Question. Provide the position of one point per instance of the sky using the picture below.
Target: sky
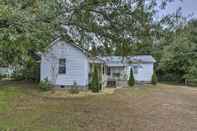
(188, 7)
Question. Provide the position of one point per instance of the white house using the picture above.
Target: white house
(6, 71)
(64, 64)
(118, 69)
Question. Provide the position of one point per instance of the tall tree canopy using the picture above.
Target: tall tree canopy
(118, 27)
(179, 58)
(115, 25)
(25, 25)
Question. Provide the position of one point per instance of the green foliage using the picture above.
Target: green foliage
(180, 57)
(1, 76)
(95, 85)
(44, 85)
(154, 78)
(191, 82)
(25, 25)
(29, 71)
(32, 25)
(7, 94)
(131, 81)
(17, 75)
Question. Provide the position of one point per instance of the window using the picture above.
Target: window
(117, 75)
(108, 71)
(62, 66)
(135, 69)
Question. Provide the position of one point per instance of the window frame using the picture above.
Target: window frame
(62, 66)
(108, 72)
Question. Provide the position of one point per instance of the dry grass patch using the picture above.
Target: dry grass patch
(67, 94)
(149, 108)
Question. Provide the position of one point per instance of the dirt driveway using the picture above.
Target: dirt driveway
(169, 108)
(160, 108)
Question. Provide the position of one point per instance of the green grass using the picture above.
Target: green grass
(7, 93)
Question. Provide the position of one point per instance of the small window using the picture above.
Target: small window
(108, 71)
(62, 66)
(135, 69)
(117, 75)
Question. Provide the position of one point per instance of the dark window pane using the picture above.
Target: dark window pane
(108, 71)
(117, 75)
(62, 66)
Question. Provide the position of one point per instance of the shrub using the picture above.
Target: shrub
(44, 85)
(74, 89)
(28, 71)
(191, 82)
(17, 75)
(95, 85)
(154, 78)
(131, 81)
(1, 76)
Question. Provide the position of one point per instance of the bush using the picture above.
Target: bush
(44, 85)
(154, 78)
(17, 75)
(74, 89)
(191, 82)
(28, 71)
(95, 85)
(131, 81)
(1, 76)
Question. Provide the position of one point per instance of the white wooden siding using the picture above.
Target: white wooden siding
(6, 71)
(145, 72)
(77, 66)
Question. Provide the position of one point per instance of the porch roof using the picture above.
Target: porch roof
(119, 61)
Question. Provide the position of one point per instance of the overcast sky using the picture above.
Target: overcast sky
(188, 7)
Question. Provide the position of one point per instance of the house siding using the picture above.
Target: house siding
(145, 72)
(77, 65)
(6, 71)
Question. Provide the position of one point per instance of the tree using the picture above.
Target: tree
(26, 25)
(117, 24)
(107, 27)
(131, 81)
(179, 58)
(95, 82)
(154, 78)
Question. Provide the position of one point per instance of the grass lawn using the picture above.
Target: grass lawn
(154, 108)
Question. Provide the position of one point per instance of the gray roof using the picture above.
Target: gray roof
(120, 61)
(143, 59)
(114, 61)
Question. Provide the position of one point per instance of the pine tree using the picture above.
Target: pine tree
(154, 78)
(94, 86)
(131, 81)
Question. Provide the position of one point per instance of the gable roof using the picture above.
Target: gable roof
(84, 51)
(70, 43)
